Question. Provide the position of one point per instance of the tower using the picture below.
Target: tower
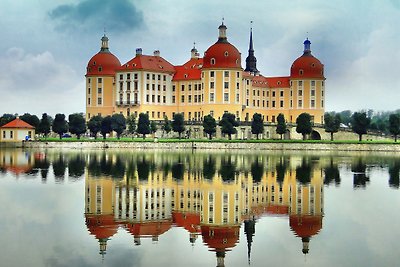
(251, 61)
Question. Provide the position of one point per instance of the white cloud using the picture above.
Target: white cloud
(38, 83)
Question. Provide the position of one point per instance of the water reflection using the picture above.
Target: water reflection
(210, 195)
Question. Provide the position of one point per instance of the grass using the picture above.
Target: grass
(220, 140)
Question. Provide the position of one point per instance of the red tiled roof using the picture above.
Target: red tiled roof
(103, 63)
(18, 123)
(220, 238)
(271, 82)
(150, 63)
(191, 70)
(189, 221)
(305, 225)
(311, 68)
(224, 54)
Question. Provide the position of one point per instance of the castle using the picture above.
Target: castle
(214, 84)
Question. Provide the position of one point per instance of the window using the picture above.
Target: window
(153, 87)
(190, 87)
(121, 76)
(89, 80)
(212, 61)
(300, 83)
(237, 85)
(173, 99)
(128, 76)
(135, 76)
(281, 104)
(88, 91)
(312, 103)
(211, 97)
(212, 74)
(237, 74)
(153, 98)
(88, 101)
(147, 98)
(164, 88)
(183, 99)
(312, 92)
(147, 86)
(158, 99)
(183, 87)
(226, 97)
(164, 78)
(273, 93)
(99, 80)
(190, 99)
(153, 76)
(4, 134)
(300, 104)
(211, 85)
(11, 134)
(226, 85)
(300, 72)
(159, 77)
(226, 73)
(312, 83)
(99, 101)
(300, 92)
(164, 99)
(148, 76)
(173, 88)
(237, 98)
(273, 103)
(281, 93)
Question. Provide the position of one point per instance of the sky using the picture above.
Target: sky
(45, 45)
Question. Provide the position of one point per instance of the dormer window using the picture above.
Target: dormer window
(100, 69)
(300, 72)
(313, 65)
(226, 54)
(185, 75)
(94, 63)
(212, 61)
(279, 82)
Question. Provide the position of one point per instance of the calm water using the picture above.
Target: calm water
(163, 208)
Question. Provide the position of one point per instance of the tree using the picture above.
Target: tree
(30, 119)
(77, 124)
(143, 124)
(257, 124)
(345, 115)
(209, 126)
(281, 125)
(60, 125)
(6, 118)
(153, 127)
(44, 125)
(118, 124)
(304, 126)
(332, 123)
(178, 125)
(166, 127)
(360, 123)
(228, 124)
(106, 126)
(131, 123)
(394, 125)
(94, 125)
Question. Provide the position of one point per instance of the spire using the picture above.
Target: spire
(222, 33)
(104, 44)
(251, 61)
(194, 53)
(307, 47)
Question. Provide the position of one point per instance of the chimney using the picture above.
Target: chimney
(138, 51)
(156, 53)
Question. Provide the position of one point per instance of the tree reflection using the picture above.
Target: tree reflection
(117, 170)
(178, 169)
(394, 170)
(228, 169)
(143, 169)
(59, 167)
(281, 168)
(257, 170)
(76, 167)
(43, 164)
(332, 174)
(209, 168)
(303, 172)
(360, 178)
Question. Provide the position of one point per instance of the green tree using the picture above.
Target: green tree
(394, 125)
(77, 124)
(153, 127)
(209, 126)
(257, 124)
(44, 125)
(143, 124)
(118, 124)
(178, 124)
(257, 170)
(94, 125)
(281, 125)
(228, 124)
(304, 126)
(166, 127)
(345, 115)
(332, 123)
(131, 123)
(30, 119)
(60, 125)
(360, 123)
(106, 126)
(6, 118)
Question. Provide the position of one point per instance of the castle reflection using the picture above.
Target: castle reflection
(209, 195)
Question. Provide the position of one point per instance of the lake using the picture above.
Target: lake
(198, 208)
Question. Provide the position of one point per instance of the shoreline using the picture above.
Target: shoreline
(208, 146)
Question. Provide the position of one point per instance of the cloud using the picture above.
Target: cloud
(117, 16)
(38, 83)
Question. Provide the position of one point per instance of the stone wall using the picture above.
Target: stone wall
(214, 145)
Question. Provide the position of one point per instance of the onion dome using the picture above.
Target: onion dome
(222, 54)
(305, 226)
(104, 62)
(307, 66)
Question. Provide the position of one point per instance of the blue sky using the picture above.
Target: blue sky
(46, 45)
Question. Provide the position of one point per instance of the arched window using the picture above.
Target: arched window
(300, 72)
(213, 61)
